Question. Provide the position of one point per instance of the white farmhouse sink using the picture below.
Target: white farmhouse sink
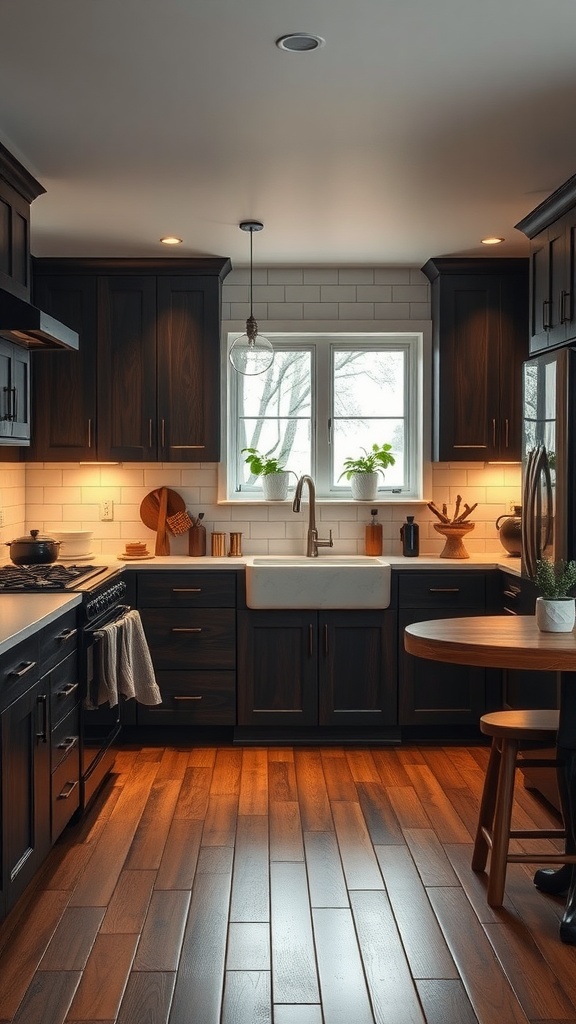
(329, 581)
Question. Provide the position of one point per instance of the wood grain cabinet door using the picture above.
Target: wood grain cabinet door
(357, 679)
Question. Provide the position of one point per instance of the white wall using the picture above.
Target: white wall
(66, 495)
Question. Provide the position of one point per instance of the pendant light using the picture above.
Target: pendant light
(252, 353)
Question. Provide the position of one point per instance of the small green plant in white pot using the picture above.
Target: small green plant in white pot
(555, 607)
(274, 476)
(364, 470)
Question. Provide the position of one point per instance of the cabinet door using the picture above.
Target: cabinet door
(278, 668)
(127, 427)
(14, 394)
(357, 679)
(188, 369)
(64, 425)
(540, 299)
(25, 789)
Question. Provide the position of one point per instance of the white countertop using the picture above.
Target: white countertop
(497, 560)
(22, 615)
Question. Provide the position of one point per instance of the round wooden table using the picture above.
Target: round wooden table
(501, 641)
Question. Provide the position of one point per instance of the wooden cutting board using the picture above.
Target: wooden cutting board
(150, 507)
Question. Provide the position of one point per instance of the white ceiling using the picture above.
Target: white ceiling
(420, 127)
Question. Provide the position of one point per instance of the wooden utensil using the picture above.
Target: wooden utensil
(150, 507)
(162, 539)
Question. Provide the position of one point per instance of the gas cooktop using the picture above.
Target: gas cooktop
(43, 578)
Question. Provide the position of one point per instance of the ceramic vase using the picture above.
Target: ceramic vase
(275, 486)
(555, 615)
(454, 548)
(364, 486)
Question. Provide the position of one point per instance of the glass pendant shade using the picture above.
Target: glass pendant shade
(251, 353)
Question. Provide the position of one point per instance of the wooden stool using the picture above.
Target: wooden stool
(510, 731)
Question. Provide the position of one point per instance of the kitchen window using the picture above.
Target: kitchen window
(324, 398)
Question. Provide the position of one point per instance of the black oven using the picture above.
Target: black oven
(103, 592)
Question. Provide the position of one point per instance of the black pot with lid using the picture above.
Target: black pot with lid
(510, 531)
(33, 549)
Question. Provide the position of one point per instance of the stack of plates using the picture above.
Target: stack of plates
(75, 545)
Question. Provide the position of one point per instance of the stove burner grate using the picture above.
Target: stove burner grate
(41, 577)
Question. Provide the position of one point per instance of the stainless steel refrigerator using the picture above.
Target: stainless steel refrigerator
(549, 458)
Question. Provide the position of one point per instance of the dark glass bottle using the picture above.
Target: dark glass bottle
(410, 534)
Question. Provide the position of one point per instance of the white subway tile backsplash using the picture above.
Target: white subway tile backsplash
(285, 275)
(302, 293)
(356, 275)
(285, 311)
(338, 293)
(392, 310)
(320, 275)
(269, 293)
(320, 310)
(393, 275)
(374, 293)
(356, 310)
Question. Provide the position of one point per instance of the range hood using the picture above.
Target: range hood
(28, 326)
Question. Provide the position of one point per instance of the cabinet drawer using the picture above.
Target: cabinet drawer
(64, 688)
(187, 590)
(205, 698)
(65, 737)
(57, 640)
(442, 590)
(19, 670)
(191, 638)
(65, 787)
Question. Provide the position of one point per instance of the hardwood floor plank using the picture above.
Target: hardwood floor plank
(202, 757)
(150, 835)
(200, 978)
(430, 857)
(220, 821)
(379, 816)
(445, 767)
(25, 947)
(533, 981)
(180, 855)
(292, 1014)
(474, 883)
(247, 998)
(227, 772)
(294, 977)
(173, 764)
(314, 804)
(325, 875)
(128, 904)
(424, 944)
(194, 793)
(282, 781)
(70, 945)
(248, 947)
(391, 987)
(448, 825)
(254, 784)
(407, 807)
(104, 979)
(280, 754)
(48, 998)
(489, 991)
(342, 983)
(362, 765)
(147, 998)
(133, 798)
(100, 876)
(445, 1002)
(285, 831)
(250, 899)
(389, 767)
(338, 778)
(163, 932)
(359, 861)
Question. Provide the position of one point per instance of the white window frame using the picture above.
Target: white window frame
(411, 341)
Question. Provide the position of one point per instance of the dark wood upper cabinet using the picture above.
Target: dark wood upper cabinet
(18, 189)
(480, 340)
(145, 385)
(551, 228)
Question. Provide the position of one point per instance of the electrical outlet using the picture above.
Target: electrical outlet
(106, 511)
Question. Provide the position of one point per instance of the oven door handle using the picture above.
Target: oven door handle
(119, 611)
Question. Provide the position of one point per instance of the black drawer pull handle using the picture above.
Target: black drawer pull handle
(187, 698)
(186, 590)
(188, 629)
(68, 789)
(68, 744)
(66, 635)
(26, 667)
(67, 690)
(444, 590)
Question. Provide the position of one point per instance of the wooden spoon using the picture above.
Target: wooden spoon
(162, 539)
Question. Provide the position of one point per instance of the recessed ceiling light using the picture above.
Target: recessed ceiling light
(299, 42)
(492, 240)
(171, 240)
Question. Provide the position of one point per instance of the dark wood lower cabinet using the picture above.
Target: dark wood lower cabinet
(309, 668)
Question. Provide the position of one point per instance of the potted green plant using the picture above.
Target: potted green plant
(274, 475)
(363, 471)
(555, 607)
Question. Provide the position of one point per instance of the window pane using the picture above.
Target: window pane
(286, 440)
(284, 390)
(351, 436)
(365, 383)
